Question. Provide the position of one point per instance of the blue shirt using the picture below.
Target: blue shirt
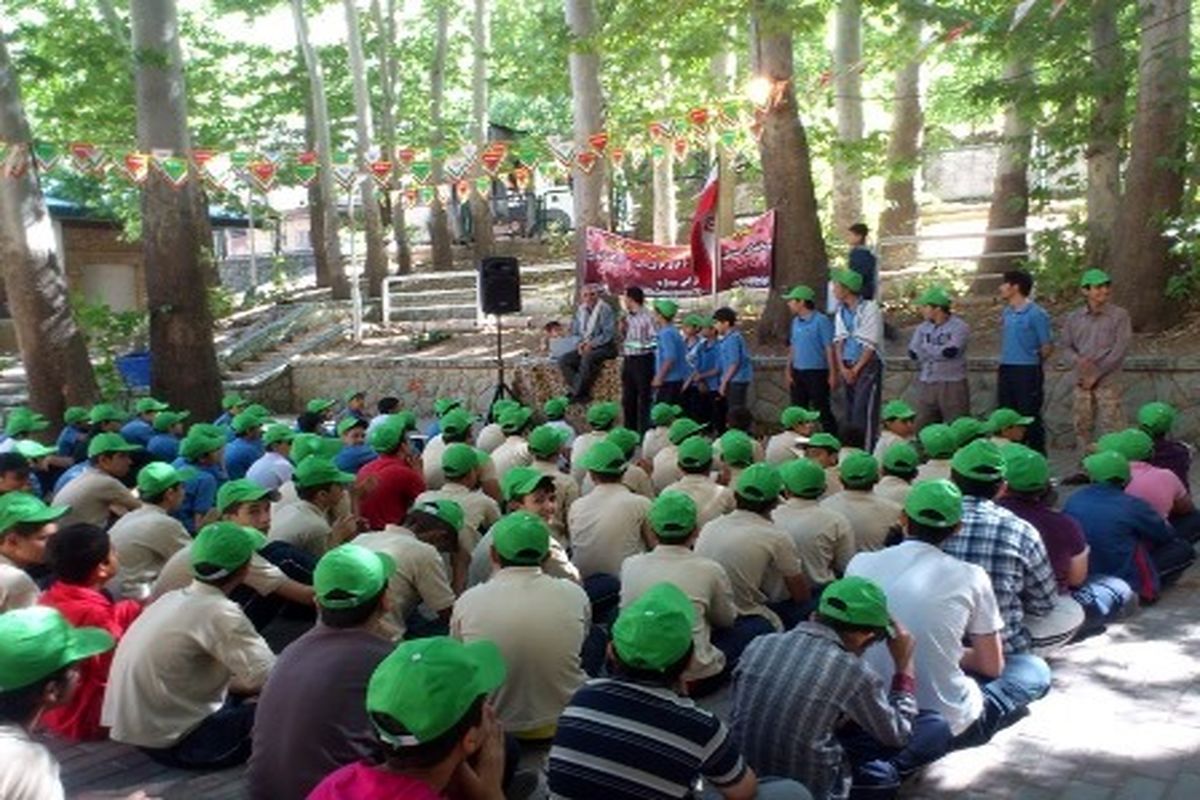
(240, 454)
(68, 476)
(68, 438)
(163, 447)
(137, 431)
(731, 351)
(671, 348)
(1025, 332)
(224, 421)
(352, 459)
(1118, 528)
(863, 261)
(852, 346)
(199, 492)
(706, 361)
(810, 340)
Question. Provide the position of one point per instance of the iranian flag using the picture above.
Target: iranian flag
(704, 232)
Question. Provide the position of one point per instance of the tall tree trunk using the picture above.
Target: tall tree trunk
(847, 82)
(666, 206)
(481, 204)
(57, 370)
(799, 246)
(900, 212)
(176, 237)
(1106, 126)
(388, 77)
(324, 147)
(724, 73)
(588, 111)
(376, 256)
(439, 228)
(1010, 186)
(318, 203)
(1154, 179)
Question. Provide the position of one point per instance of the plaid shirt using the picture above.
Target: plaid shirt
(791, 693)
(640, 335)
(1012, 554)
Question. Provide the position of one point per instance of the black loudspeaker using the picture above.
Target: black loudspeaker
(500, 285)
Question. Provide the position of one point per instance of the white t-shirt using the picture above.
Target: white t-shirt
(270, 471)
(27, 770)
(940, 599)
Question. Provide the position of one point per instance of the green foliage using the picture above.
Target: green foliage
(1184, 286)
(1057, 258)
(110, 334)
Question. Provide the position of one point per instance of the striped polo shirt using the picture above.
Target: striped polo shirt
(641, 338)
(625, 741)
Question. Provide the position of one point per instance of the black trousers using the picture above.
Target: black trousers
(581, 371)
(1022, 388)
(637, 373)
(698, 405)
(669, 392)
(810, 389)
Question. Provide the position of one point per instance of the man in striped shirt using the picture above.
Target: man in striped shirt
(637, 368)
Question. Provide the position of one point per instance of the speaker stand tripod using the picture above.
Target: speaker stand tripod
(502, 389)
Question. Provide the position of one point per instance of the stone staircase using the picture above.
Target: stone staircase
(448, 299)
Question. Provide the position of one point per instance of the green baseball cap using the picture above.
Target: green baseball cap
(1106, 467)
(349, 575)
(520, 481)
(428, 685)
(514, 420)
(695, 452)
(1136, 444)
(824, 441)
(901, 459)
(1003, 418)
(935, 503)
(165, 420)
(625, 439)
(522, 538)
(318, 471)
(75, 415)
(313, 444)
(556, 407)
(277, 434)
(210, 430)
(938, 440)
(795, 415)
(967, 430)
(18, 508)
(858, 468)
(655, 631)
(602, 415)
(197, 444)
(1109, 441)
(259, 410)
(443, 405)
(605, 458)
(353, 393)
(673, 516)
(448, 511)
(1025, 469)
(232, 400)
(547, 440)
(502, 405)
(1156, 418)
(242, 490)
(456, 422)
(22, 420)
(33, 450)
(682, 428)
(459, 459)
(668, 308)
(37, 642)
(318, 405)
(981, 460)
(664, 413)
(898, 409)
(803, 477)
(226, 546)
(759, 483)
(694, 320)
(103, 443)
(800, 292)
(737, 448)
(934, 296)
(1094, 277)
(856, 601)
(159, 476)
(848, 278)
(245, 422)
(407, 420)
(349, 423)
(147, 404)
(105, 412)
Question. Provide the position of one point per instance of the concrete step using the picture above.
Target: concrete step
(434, 313)
(463, 279)
(408, 297)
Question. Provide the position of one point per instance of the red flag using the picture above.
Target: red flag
(704, 232)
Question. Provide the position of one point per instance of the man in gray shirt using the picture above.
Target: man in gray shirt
(939, 346)
(593, 328)
(1096, 337)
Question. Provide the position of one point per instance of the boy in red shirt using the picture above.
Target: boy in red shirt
(83, 561)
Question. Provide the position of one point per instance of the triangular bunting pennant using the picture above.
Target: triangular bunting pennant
(483, 186)
(240, 159)
(659, 130)
(493, 157)
(381, 171)
(728, 138)
(46, 155)
(426, 195)
(174, 169)
(343, 170)
(421, 170)
(201, 159)
(306, 158)
(410, 198)
(262, 174)
(586, 161)
(598, 141)
(657, 151)
(457, 167)
(136, 166)
(306, 173)
(443, 193)
(563, 152)
(87, 157)
(699, 117)
(406, 156)
(617, 157)
(680, 146)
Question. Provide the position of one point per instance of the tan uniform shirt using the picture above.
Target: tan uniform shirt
(583, 443)
(607, 526)
(719, 462)
(303, 524)
(90, 495)
(869, 514)
(539, 623)
(175, 664)
(666, 468)
(514, 452)
(489, 437)
(824, 539)
(833, 481)
(17, 589)
(635, 478)
(892, 488)
(556, 565)
(886, 440)
(27, 769)
(756, 555)
(785, 447)
(566, 492)
(712, 499)
(263, 577)
(480, 511)
(431, 462)
(934, 469)
(288, 496)
(655, 440)
(145, 539)
(706, 585)
(420, 575)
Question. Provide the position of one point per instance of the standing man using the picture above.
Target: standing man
(594, 325)
(861, 260)
(670, 355)
(1096, 337)
(812, 372)
(857, 338)
(637, 369)
(1025, 344)
(939, 346)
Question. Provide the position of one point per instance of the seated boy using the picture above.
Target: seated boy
(825, 449)
(899, 425)
(355, 453)
(871, 515)
(938, 444)
(26, 526)
(1156, 419)
(798, 425)
(147, 537)
(900, 465)
(695, 458)
(98, 493)
(1006, 425)
(661, 417)
(823, 537)
(601, 417)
